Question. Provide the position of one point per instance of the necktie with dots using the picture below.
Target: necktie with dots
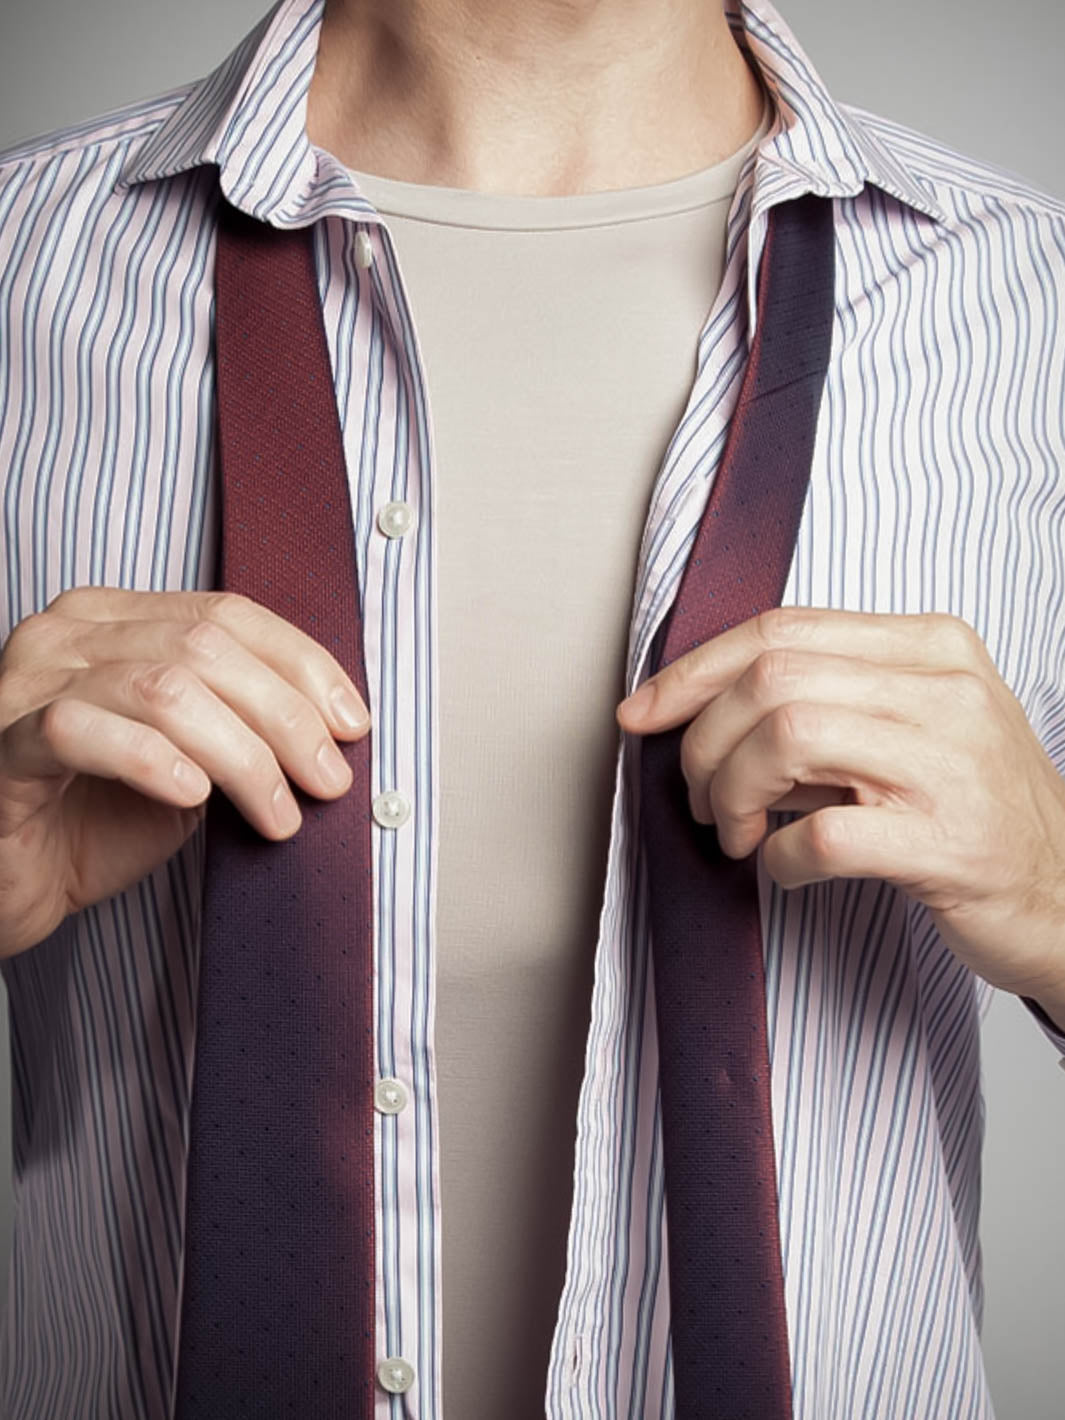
(277, 1307)
(727, 1318)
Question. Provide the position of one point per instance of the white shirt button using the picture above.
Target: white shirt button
(389, 1095)
(395, 519)
(395, 1374)
(391, 809)
(363, 250)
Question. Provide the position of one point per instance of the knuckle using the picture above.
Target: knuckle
(954, 637)
(791, 726)
(769, 672)
(682, 671)
(825, 838)
(780, 624)
(300, 720)
(160, 684)
(140, 751)
(205, 640)
(688, 765)
(719, 806)
(969, 692)
(27, 633)
(60, 721)
(69, 602)
(258, 763)
(23, 690)
(226, 608)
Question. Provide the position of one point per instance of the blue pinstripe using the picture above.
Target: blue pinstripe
(937, 485)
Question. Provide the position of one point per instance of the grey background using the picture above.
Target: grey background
(983, 77)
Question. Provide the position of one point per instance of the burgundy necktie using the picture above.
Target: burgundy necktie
(727, 1320)
(278, 1294)
(277, 1313)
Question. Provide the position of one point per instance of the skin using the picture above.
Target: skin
(896, 737)
(534, 97)
(107, 695)
(910, 759)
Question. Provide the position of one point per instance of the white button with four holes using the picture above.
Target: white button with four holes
(395, 519)
(389, 1095)
(391, 809)
(395, 1374)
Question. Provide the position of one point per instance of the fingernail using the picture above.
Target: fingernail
(287, 814)
(640, 702)
(332, 765)
(191, 779)
(350, 711)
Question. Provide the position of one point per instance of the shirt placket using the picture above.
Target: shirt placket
(388, 448)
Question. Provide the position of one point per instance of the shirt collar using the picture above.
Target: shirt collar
(815, 146)
(249, 118)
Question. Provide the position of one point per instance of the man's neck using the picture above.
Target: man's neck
(537, 97)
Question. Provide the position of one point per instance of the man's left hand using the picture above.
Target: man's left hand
(917, 762)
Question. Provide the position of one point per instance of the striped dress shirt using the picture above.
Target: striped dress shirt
(938, 484)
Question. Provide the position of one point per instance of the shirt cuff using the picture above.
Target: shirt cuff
(1047, 1026)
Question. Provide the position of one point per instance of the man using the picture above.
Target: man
(543, 224)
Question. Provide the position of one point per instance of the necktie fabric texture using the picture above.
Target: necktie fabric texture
(728, 1326)
(278, 1289)
(277, 1309)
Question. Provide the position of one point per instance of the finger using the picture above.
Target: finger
(293, 654)
(922, 640)
(806, 743)
(74, 736)
(238, 758)
(784, 677)
(266, 701)
(856, 841)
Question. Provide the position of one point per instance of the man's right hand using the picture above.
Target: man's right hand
(119, 709)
